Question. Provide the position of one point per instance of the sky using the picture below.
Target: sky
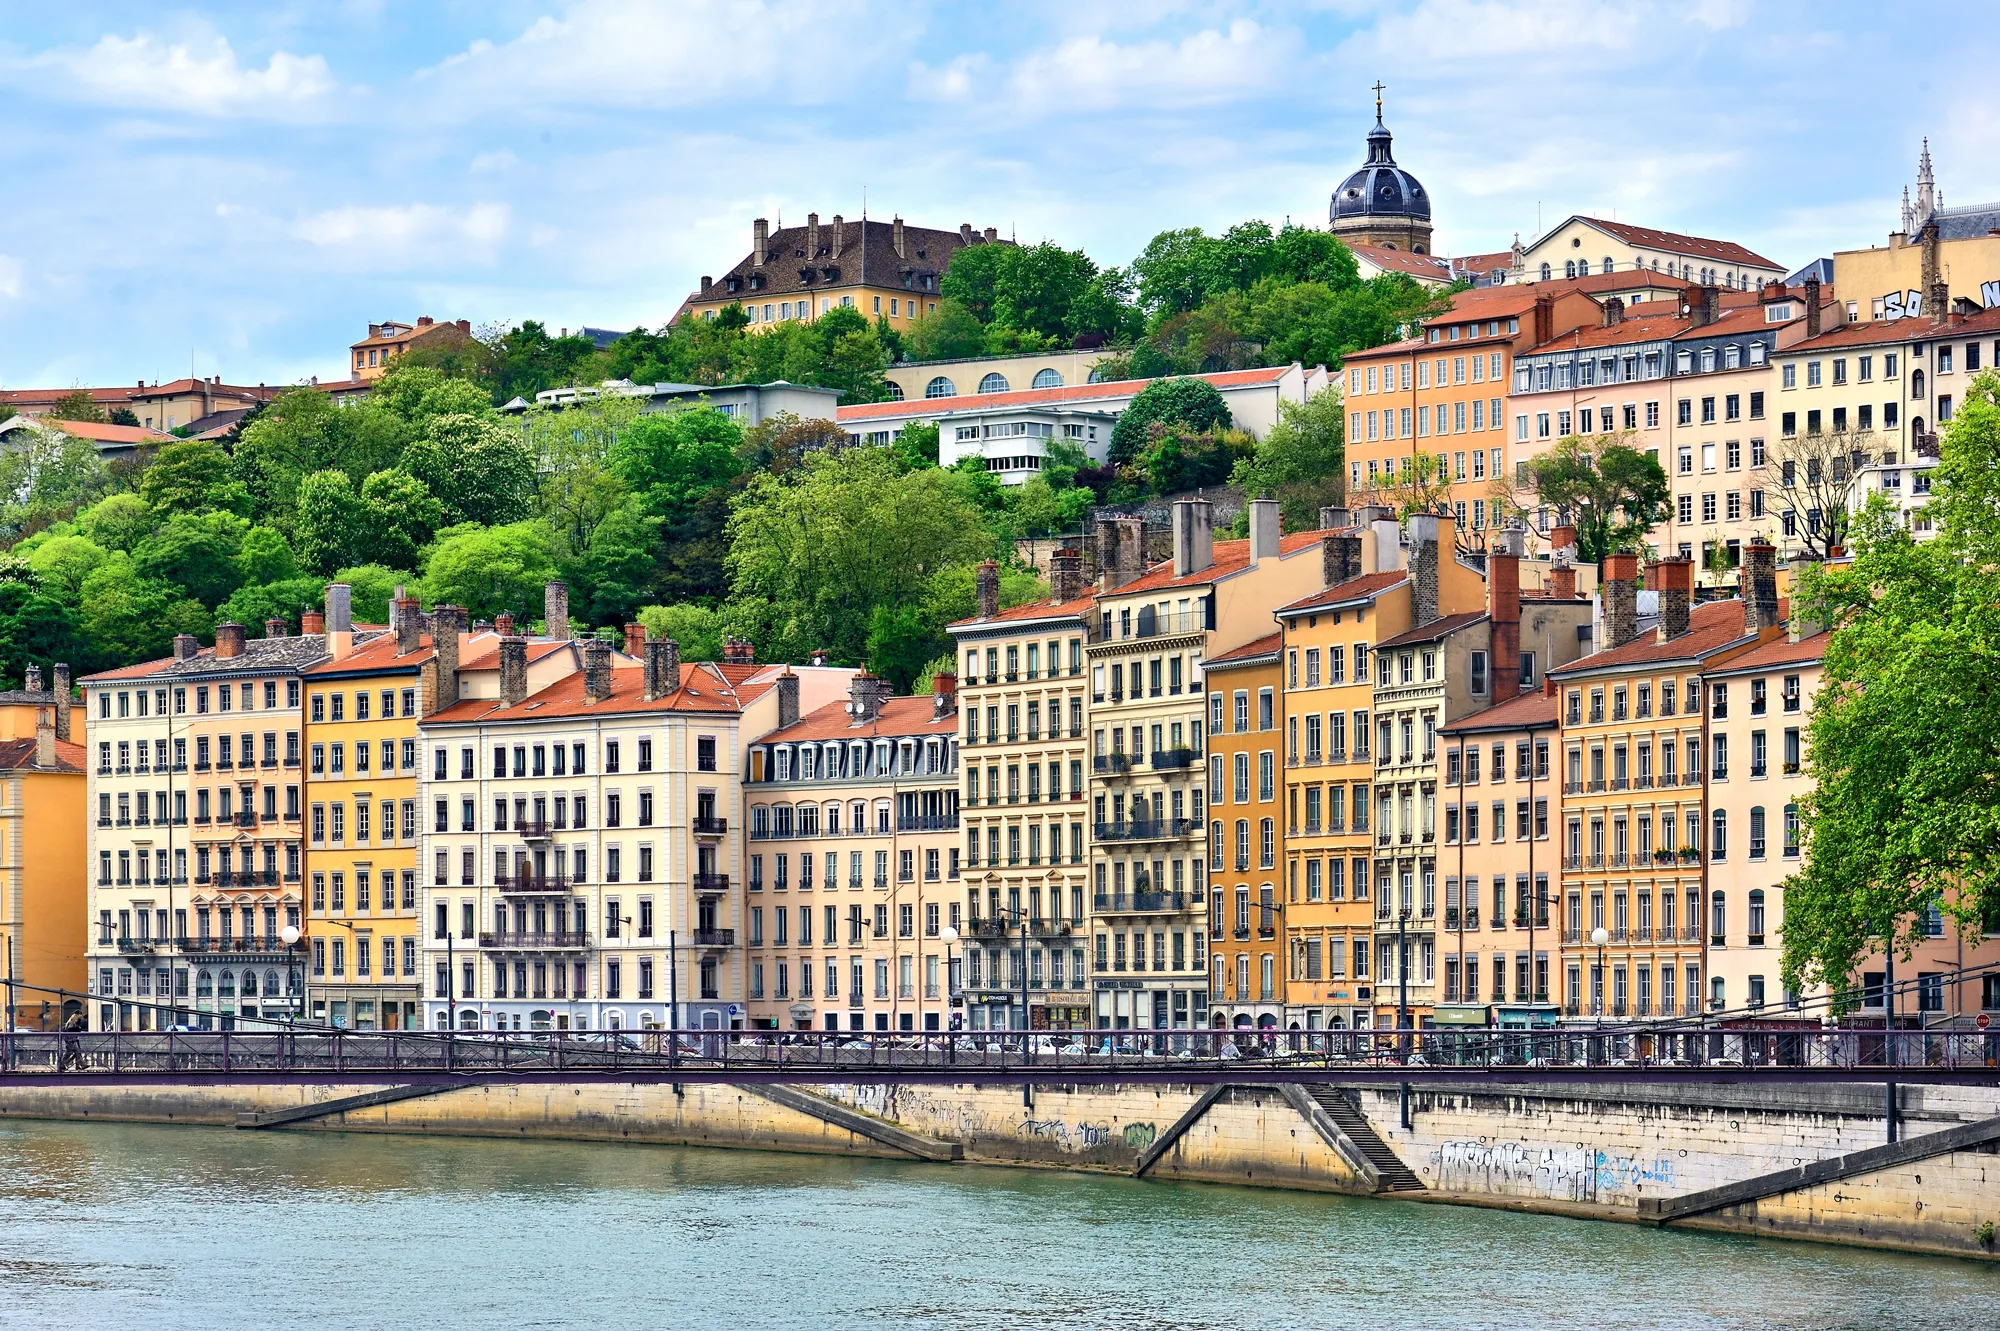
(240, 190)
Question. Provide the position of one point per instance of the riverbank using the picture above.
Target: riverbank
(1609, 1151)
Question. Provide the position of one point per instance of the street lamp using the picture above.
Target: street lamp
(291, 935)
(949, 935)
(1402, 971)
(1599, 936)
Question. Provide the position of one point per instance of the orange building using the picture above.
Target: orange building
(1247, 984)
(44, 899)
(369, 358)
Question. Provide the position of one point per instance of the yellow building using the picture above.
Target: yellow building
(883, 269)
(42, 909)
(1246, 987)
(369, 358)
(1935, 257)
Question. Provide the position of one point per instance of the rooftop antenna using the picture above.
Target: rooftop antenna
(864, 203)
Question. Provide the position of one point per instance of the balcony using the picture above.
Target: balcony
(533, 829)
(713, 938)
(1173, 758)
(712, 884)
(139, 945)
(707, 824)
(1124, 903)
(929, 822)
(247, 818)
(531, 882)
(1049, 928)
(1150, 829)
(1111, 764)
(535, 942)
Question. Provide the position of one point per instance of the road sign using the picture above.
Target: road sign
(1982, 1021)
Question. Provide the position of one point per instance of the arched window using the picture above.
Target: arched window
(1047, 379)
(271, 983)
(1569, 268)
(1916, 383)
(1718, 919)
(940, 387)
(228, 984)
(1755, 927)
(1607, 263)
(1718, 846)
(895, 391)
(995, 382)
(468, 1020)
(1545, 272)
(1094, 377)
(204, 984)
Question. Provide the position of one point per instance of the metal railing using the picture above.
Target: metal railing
(535, 942)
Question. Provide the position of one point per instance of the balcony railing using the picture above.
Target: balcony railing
(1173, 758)
(710, 825)
(531, 882)
(711, 882)
(1147, 829)
(533, 829)
(928, 822)
(1111, 763)
(535, 942)
(1128, 902)
(714, 938)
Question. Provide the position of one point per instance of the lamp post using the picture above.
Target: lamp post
(949, 935)
(1600, 937)
(1402, 971)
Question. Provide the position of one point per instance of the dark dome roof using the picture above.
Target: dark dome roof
(1380, 188)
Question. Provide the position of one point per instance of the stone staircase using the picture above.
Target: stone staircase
(1395, 1175)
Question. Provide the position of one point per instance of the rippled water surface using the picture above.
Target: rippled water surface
(155, 1227)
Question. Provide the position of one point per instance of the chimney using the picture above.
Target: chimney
(1194, 536)
(1674, 580)
(1503, 610)
(339, 619)
(1812, 304)
(596, 670)
(447, 622)
(1621, 599)
(812, 235)
(185, 646)
(555, 611)
(274, 628)
(45, 737)
(866, 693)
(1939, 300)
(31, 679)
(424, 321)
(817, 657)
(760, 241)
(1380, 522)
(1614, 311)
(1545, 319)
(837, 228)
(992, 234)
(896, 236)
(1121, 550)
(464, 325)
(986, 584)
(503, 623)
(1066, 575)
(1332, 518)
(513, 671)
(1265, 529)
(1340, 558)
(738, 651)
(1562, 563)
(229, 639)
(62, 696)
(663, 667)
(788, 699)
(635, 641)
(944, 694)
(1425, 532)
(965, 233)
(1760, 587)
(409, 625)
(706, 283)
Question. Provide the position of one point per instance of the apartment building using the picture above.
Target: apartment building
(1636, 830)
(43, 898)
(1244, 751)
(861, 799)
(1328, 708)
(1499, 859)
(1023, 697)
(196, 787)
(578, 836)
(1155, 630)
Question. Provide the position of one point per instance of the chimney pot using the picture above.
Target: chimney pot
(1621, 598)
(513, 671)
(760, 237)
(274, 628)
(1428, 531)
(986, 585)
(663, 667)
(1332, 518)
(1812, 305)
(503, 623)
(339, 608)
(31, 679)
(1194, 536)
(635, 641)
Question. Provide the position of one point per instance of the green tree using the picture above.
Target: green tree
(118, 522)
(616, 568)
(331, 525)
(972, 279)
(670, 459)
(193, 476)
(36, 629)
(1194, 403)
(125, 618)
(1904, 811)
(417, 394)
(1609, 491)
(79, 406)
(62, 564)
(1301, 461)
(950, 332)
(1177, 459)
(302, 432)
(266, 556)
(196, 553)
(287, 598)
(45, 477)
(490, 569)
(478, 469)
(373, 585)
(576, 488)
(916, 444)
(399, 516)
(699, 629)
(781, 442)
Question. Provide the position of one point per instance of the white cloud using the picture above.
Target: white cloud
(201, 76)
(503, 160)
(383, 236)
(10, 277)
(1211, 65)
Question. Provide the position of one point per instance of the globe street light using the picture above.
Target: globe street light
(1599, 936)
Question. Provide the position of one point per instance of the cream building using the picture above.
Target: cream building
(1579, 246)
(993, 374)
(1937, 257)
(854, 864)
(1022, 691)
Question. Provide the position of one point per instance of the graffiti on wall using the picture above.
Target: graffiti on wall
(1564, 1173)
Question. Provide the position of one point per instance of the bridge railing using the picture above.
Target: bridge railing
(1612, 1050)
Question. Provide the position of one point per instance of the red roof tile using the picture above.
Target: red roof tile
(1631, 328)
(1434, 630)
(1402, 261)
(916, 715)
(1228, 558)
(108, 434)
(1711, 626)
(1364, 588)
(1249, 651)
(1880, 331)
(19, 755)
(1722, 251)
(1808, 650)
(703, 688)
(1528, 711)
(1033, 610)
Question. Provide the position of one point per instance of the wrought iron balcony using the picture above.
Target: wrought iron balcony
(714, 938)
(712, 883)
(559, 940)
(710, 825)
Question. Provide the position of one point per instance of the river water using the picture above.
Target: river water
(161, 1227)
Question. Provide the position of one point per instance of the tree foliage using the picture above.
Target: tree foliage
(1609, 491)
(1194, 404)
(1301, 461)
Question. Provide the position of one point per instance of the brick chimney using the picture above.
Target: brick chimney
(275, 628)
(986, 585)
(1674, 580)
(503, 623)
(788, 699)
(663, 667)
(1066, 575)
(738, 651)
(1614, 311)
(409, 625)
(866, 693)
(944, 693)
(62, 700)
(186, 645)
(447, 623)
(1194, 536)
(229, 639)
(635, 641)
(555, 611)
(1812, 305)
(1760, 587)
(1545, 319)
(596, 670)
(1503, 610)
(1620, 574)
(1562, 563)
(513, 671)
(760, 241)
(1425, 531)
(31, 679)
(1120, 550)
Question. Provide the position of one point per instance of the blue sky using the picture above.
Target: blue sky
(239, 189)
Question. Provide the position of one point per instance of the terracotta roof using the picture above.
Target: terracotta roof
(1406, 347)
(1722, 251)
(1631, 328)
(1228, 558)
(703, 688)
(1529, 711)
(1073, 394)
(1711, 626)
(915, 715)
(1364, 588)
(188, 387)
(1745, 319)
(380, 654)
(138, 671)
(1249, 651)
(1434, 630)
(1809, 650)
(489, 656)
(420, 331)
(1402, 261)
(19, 754)
(28, 397)
(867, 253)
(1033, 610)
(1880, 331)
(1483, 263)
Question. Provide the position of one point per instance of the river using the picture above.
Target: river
(105, 1225)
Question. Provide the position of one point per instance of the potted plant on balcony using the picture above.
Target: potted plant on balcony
(1690, 854)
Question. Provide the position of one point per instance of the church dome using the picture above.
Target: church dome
(1380, 190)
